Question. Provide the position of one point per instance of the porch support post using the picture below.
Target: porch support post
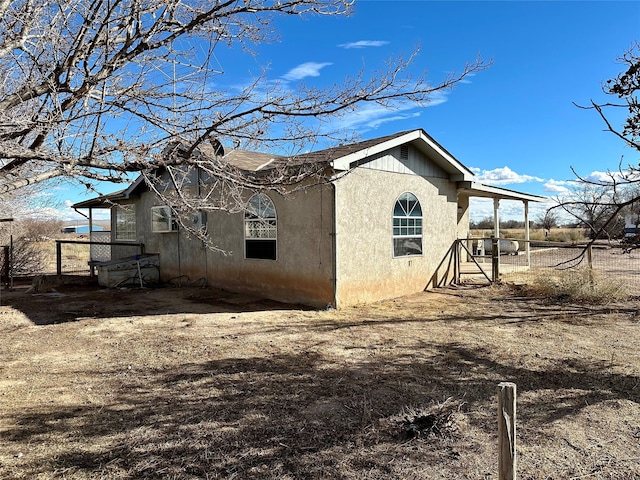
(496, 217)
(527, 238)
(496, 232)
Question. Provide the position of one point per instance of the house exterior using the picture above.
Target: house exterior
(378, 232)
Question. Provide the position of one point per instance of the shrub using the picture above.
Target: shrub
(27, 258)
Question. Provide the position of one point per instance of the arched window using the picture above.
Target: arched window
(260, 228)
(407, 226)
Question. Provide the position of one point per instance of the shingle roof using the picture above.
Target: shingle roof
(333, 153)
(243, 159)
(340, 157)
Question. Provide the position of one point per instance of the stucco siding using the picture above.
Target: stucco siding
(303, 269)
(301, 273)
(366, 268)
(463, 216)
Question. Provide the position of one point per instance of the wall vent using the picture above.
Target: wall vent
(404, 152)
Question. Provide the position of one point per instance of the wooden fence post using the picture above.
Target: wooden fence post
(495, 259)
(592, 281)
(507, 431)
(58, 257)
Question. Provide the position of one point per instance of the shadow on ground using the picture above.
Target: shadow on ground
(73, 298)
(296, 416)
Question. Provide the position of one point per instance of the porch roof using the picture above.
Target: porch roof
(107, 201)
(476, 189)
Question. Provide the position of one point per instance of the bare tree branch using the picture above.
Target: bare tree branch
(600, 204)
(97, 88)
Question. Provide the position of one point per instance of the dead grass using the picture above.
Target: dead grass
(191, 383)
(577, 285)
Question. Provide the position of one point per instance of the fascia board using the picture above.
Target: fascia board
(482, 190)
(343, 163)
(456, 170)
(132, 188)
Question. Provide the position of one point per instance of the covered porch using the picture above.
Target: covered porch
(487, 258)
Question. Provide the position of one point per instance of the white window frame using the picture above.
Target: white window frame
(407, 226)
(163, 219)
(125, 223)
(259, 224)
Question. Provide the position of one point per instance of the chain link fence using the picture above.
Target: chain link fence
(619, 263)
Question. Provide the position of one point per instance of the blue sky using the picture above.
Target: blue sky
(514, 124)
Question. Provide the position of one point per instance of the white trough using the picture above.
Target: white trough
(507, 247)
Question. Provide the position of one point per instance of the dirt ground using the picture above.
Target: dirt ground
(201, 384)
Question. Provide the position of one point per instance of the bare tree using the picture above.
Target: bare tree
(599, 204)
(547, 220)
(597, 207)
(96, 89)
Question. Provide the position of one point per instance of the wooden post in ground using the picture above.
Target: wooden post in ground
(590, 265)
(58, 257)
(495, 259)
(527, 234)
(456, 262)
(507, 431)
(6, 259)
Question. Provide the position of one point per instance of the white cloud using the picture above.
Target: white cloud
(308, 69)
(373, 115)
(558, 187)
(605, 177)
(364, 44)
(503, 176)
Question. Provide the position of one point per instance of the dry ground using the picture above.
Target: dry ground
(195, 383)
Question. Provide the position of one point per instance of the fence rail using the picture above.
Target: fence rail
(75, 256)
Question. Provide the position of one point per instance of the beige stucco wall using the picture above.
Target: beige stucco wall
(463, 216)
(366, 268)
(302, 272)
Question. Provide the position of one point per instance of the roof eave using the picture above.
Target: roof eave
(107, 201)
(456, 170)
(477, 189)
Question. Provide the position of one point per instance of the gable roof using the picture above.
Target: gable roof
(345, 157)
(340, 158)
(349, 156)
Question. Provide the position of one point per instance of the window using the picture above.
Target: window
(260, 228)
(125, 222)
(407, 226)
(163, 220)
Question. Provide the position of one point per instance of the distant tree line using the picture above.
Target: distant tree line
(546, 221)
